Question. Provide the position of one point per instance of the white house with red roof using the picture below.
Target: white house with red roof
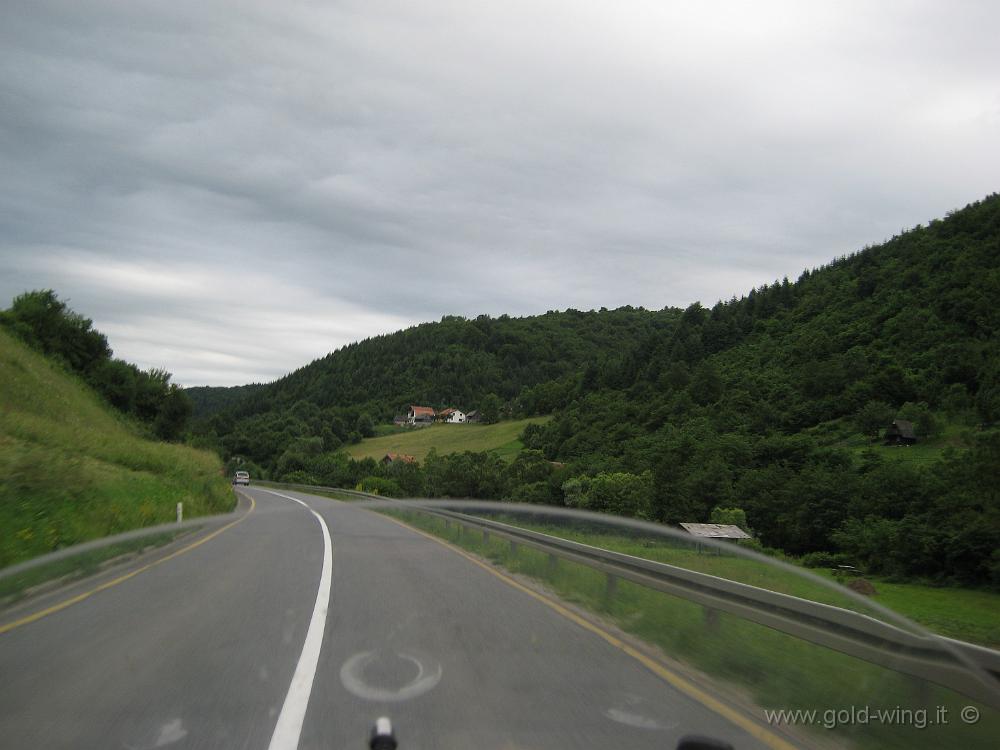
(451, 415)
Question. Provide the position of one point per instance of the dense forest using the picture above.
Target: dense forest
(531, 365)
(670, 414)
(47, 324)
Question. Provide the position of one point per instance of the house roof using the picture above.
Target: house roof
(446, 412)
(400, 457)
(904, 428)
(715, 530)
(421, 411)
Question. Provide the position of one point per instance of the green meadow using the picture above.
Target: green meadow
(500, 438)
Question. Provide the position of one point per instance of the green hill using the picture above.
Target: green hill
(532, 364)
(500, 438)
(73, 469)
(772, 402)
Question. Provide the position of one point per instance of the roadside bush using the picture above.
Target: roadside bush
(538, 493)
(825, 559)
(298, 477)
(612, 492)
(380, 486)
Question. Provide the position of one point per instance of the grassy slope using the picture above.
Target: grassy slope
(841, 433)
(71, 469)
(499, 438)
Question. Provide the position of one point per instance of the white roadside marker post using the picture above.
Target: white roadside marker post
(180, 512)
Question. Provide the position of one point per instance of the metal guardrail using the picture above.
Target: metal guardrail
(964, 667)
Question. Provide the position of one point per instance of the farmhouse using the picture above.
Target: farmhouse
(900, 432)
(452, 416)
(473, 416)
(419, 415)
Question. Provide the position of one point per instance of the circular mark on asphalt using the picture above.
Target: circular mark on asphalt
(632, 712)
(362, 669)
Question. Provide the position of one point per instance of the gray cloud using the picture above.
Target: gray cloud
(231, 190)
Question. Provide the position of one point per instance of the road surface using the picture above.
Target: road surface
(200, 650)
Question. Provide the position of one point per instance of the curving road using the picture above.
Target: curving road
(232, 643)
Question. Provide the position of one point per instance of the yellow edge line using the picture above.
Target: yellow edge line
(680, 683)
(120, 579)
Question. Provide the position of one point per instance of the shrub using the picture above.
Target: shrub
(825, 559)
(380, 486)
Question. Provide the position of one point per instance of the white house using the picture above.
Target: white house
(452, 416)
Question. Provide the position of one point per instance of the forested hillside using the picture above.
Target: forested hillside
(531, 364)
(763, 403)
(207, 400)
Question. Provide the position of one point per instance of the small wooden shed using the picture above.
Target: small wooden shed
(715, 531)
(900, 432)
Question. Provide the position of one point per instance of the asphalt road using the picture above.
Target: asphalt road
(200, 651)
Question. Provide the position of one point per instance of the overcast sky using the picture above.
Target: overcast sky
(231, 190)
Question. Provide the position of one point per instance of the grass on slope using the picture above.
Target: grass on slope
(500, 438)
(965, 614)
(72, 469)
(841, 434)
(15, 586)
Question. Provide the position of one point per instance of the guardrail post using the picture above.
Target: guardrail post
(711, 618)
(553, 564)
(610, 587)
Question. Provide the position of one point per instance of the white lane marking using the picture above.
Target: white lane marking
(293, 712)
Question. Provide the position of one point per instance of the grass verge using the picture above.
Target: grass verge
(15, 587)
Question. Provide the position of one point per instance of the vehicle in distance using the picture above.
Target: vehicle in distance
(242, 477)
